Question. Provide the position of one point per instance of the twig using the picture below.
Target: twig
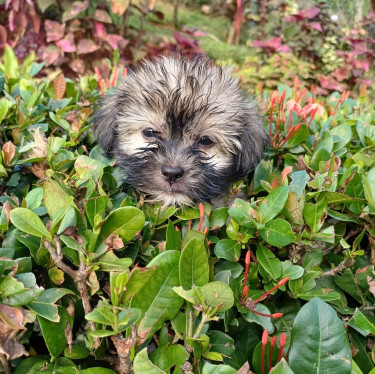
(79, 277)
(5, 364)
(123, 347)
(340, 267)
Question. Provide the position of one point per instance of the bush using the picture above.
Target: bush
(93, 278)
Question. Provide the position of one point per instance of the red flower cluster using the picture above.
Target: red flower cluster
(302, 105)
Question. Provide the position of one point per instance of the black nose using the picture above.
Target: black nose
(171, 173)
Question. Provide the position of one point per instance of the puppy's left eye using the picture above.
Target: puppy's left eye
(205, 141)
(150, 133)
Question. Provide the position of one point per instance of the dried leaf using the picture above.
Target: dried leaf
(336, 165)
(59, 86)
(9, 151)
(285, 172)
(371, 283)
(9, 344)
(114, 242)
(12, 317)
(39, 170)
(7, 207)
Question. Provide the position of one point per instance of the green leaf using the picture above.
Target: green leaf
(217, 369)
(54, 333)
(173, 238)
(137, 280)
(142, 364)
(343, 135)
(278, 233)
(339, 198)
(241, 212)
(44, 306)
(77, 352)
(265, 322)
(298, 137)
(299, 182)
(55, 198)
(216, 293)
(313, 214)
(94, 206)
(369, 187)
(194, 268)
(272, 204)
(4, 106)
(282, 368)
(10, 62)
(156, 299)
(221, 342)
(293, 209)
(165, 357)
(125, 222)
(27, 221)
(87, 168)
(318, 328)
(291, 271)
(97, 370)
(60, 121)
(270, 263)
(364, 322)
(228, 249)
(218, 217)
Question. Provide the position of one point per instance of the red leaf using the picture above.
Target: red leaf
(51, 54)
(77, 66)
(342, 73)
(362, 64)
(36, 21)
(116, 41)
(100, 30)
(86, 46)
(309, 13)
(329, 83)
(315, 25)
(67, 44)
(54, 30)
(3, 36)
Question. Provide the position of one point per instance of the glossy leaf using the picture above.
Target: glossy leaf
(318, 327)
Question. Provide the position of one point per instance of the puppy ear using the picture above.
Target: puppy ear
(104, 120)
(253, 141)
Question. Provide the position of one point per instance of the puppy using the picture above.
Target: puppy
(181, 129)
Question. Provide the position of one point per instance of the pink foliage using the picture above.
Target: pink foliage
(271, 45)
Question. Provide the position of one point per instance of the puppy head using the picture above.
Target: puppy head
(181, 129)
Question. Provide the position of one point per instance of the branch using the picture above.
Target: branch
(340, 267)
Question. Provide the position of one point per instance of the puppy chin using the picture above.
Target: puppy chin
(172, 198)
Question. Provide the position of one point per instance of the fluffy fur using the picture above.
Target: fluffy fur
(182, 101)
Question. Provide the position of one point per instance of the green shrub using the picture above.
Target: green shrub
(91, 276)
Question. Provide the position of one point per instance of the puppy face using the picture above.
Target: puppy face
(182, 130)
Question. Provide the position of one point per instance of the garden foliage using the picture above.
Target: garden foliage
(94, 279)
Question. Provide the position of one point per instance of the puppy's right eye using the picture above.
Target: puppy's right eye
(150, 133)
